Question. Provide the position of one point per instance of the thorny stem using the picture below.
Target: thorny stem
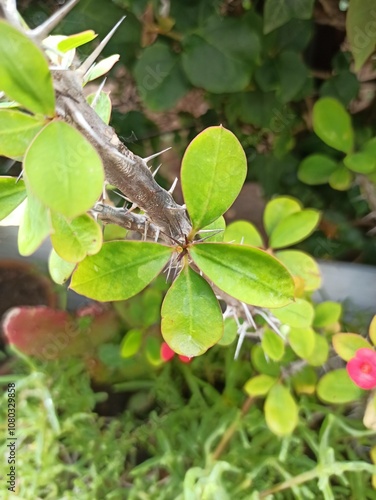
(227, 436)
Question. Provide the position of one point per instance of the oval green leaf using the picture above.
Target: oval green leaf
(302, 341)
(17, 130)
(120, 270)
(304, 381)
(259, 385)
(337, 387)
(242, 231)
(363, 162)
(320, 351)
(131, 343)
(316, 169)
(341, 179)
(360, 30)
(76, 238)
(272, 345)
(12, 194)
(346, 344)
(24, 73)
(246, 273)
(301, 265)
(327, 313)
(372, 330)
(102, 105)
(263, 365)
(213, 172)
(191, 317)
(230, 332)
(34, 227)
(74, 41)
(277, 210)
(294, 228)
(101, 68)
(59, 269)
(299, 314)
(281, 411)
(64, 170)
(332, 123)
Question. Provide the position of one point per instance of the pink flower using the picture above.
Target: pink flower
(167, 354)
(362, 368)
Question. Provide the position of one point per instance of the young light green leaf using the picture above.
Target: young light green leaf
(74, 41)
(327, 313)
(337, 387)
(246, 273)
(294, 228)
(101, 68)
(63, 60)
(102, 105)
(59, 269)
(303, 266)
(320, 351)
(263, 365)
(359, 29)
(341, 178)
(17, 130)
(131, 343)
(35, 226)
(332, 123)
(305, 380)
(191, 317)
(316, 169)
(217, 227)
(12, 194)
(299, 314)
(259, 385)
(242, 231)
(372, 330)
(273, 345)
(120, 270)
(213, 172)
(76, 238)
(64, 170)
(24, 73)
(281, 411)
(277, 210)
(362, 162)
(346, 344)
(302, 341)
(230, 332)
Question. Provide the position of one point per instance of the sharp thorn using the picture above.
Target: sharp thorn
(45, 29)
(171, 190)
(148, 158)
(242, 334)
(156, 235)
(86, 65)
(248, 315)
(20, 176)
(98, 93)
(156, 170)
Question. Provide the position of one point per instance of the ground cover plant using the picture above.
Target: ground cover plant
(267, 394)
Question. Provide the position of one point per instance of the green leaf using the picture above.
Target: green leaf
(360, 30)
(304, 381)
(34, 227)
(59, 269)
(337, 387)
(327, 313)
(299, 314)
(277, 210)
(346, 344)
(320, 351)
(63, 60)
(246, 273)
(131, 343)
(294, 228)
(213, 171)
(341, 179)
(230, 332)
(159, 77)
(76, 238)
(191, 317)
(259, 385)
(120, 270)
(12, 194)
(17, 130)
(263, 365)
(242, 231)
(101, 68)
(64, 170)
(301, 265)
(218, 225)
(316, 169)
(279, 12)
(302, 341)
(24, 73)
(281, 411)
(272, 345)
(372, 330)
(293, 73)
(362, 162)
(74, 41)
(152, 351)
(220, 55)
(102, 106)
(332, 123)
